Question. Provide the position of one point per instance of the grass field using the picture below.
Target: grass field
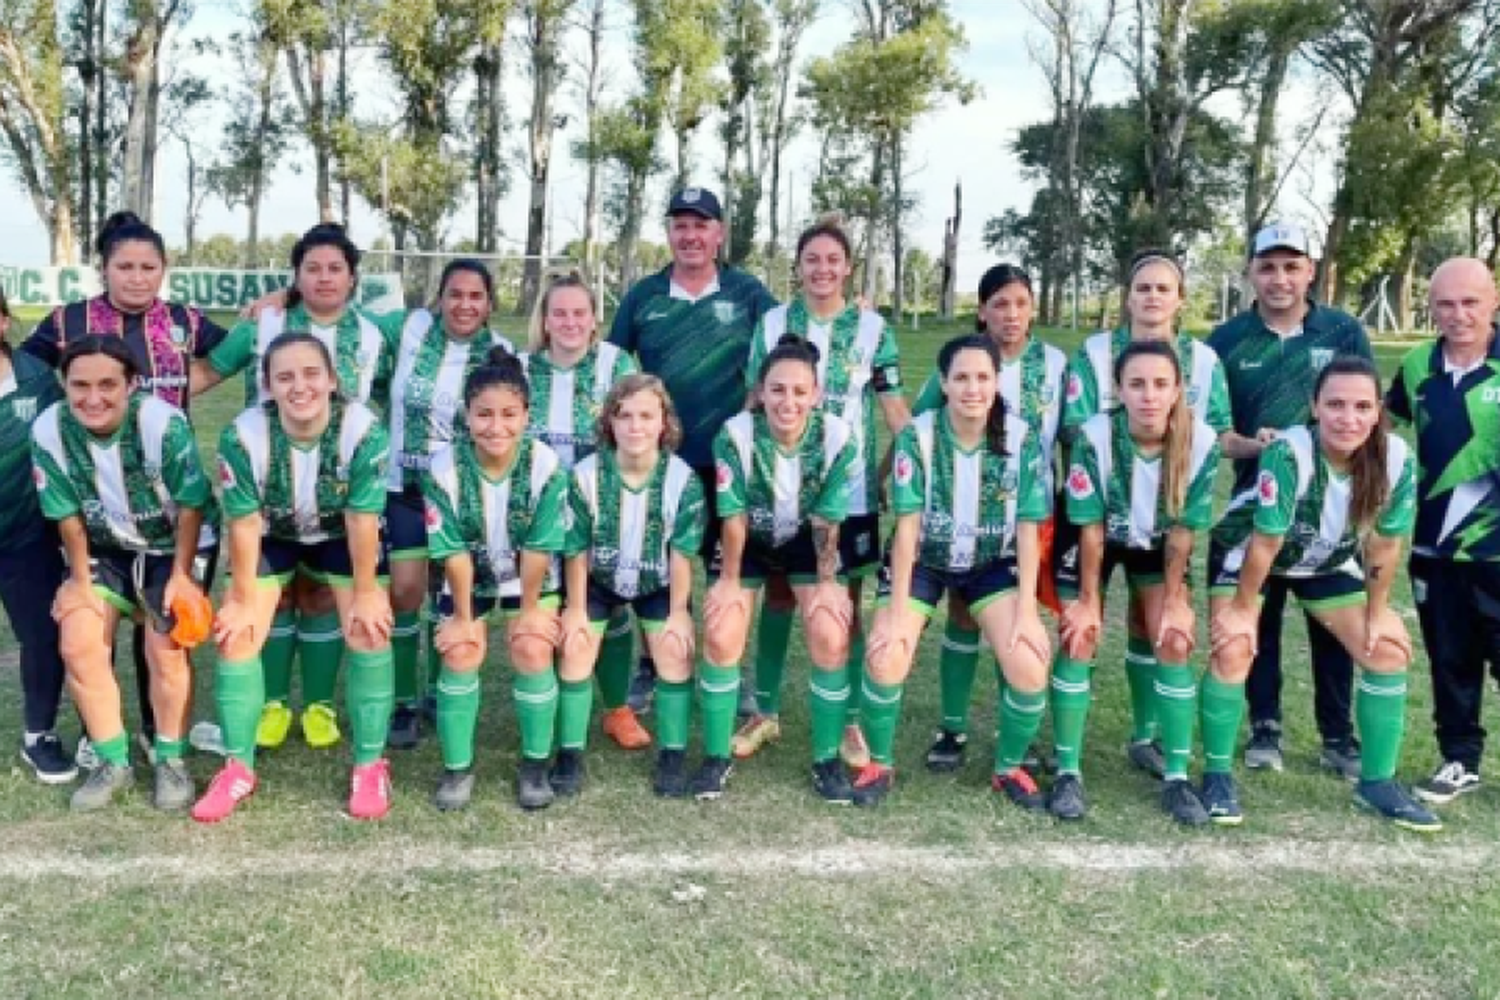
(943, 892)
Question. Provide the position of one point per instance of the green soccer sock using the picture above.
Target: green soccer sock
(616, 657)
(879, 711)
(1020, 718)
(115, 750)
(536, 712)
(240, 692)
(167, 748)
(1380, 708)
(575, 703)
(829, 690)
(1071, 698)
(719, 697)
(1177, 710)
(1140, 671)
(434, 658)
(1222, 707)
(674, 706)
(369, 696)
(406, 644)
(772, 640)
(854, 670)
(457, 716)
(320, 643)
(956, 666)
(277, 654)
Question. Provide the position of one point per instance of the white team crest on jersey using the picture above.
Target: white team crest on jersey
(1075, 388)
(1320, 357)
(1267, 489)
(725, 312)
(179, 337)
(904, 468)
(724, 475)
(1080, 486)
(25, 409)
(1194, 392)
(1048, 395)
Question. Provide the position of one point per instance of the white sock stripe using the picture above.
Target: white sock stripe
(615, 633)
(1144, 659)
(959, 647)
(1391, 692)
(336, 635)
(1179, 693)
(873, 696)
(726, 688)
(402, 631)
(840, 694)
(536, 698)
(1071, 687)
(1035, 709)
(446, 688)
(281, 631)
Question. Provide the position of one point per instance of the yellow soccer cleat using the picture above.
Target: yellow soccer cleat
(275, 723)
(320, 726)
(757, 731)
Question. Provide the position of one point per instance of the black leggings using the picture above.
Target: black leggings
(29, 578)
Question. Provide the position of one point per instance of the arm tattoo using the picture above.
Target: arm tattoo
(826, 544)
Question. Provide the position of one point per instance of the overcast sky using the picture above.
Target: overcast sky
(954, 143)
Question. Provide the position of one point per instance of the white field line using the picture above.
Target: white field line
(855, 859)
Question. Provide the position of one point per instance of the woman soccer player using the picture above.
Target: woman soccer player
(303, 480)
(636, 521)
(166, 338)
(1330, 506)
(570, 372)
(858, 364)
(119, 471)
(1156, 296)
(31, 566)
(969, 491)
(1139, 486)
(325, 267)
(1032, 375)
(434, 358)
(496, 514)
(784, 474)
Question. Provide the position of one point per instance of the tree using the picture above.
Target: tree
(33, 117)
(949, 284)
(545, 20)
(588, 149)
(677, 48)
(779, 126)
(148, 23)
(256, 132)
(183, 100)
(747, 36)
(627, 138)
(488, 112)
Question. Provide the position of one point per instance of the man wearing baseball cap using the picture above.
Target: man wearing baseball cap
(690, 325)
(1272, 353)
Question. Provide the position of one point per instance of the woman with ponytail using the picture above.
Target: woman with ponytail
(784, 474)
(303, 480)
(969, 492)
(859, 367)
(496, 519)
(1139, 486)
(1032, 375)
(570, 372)
(319, 303)
(1156, 294)
(1330, 506)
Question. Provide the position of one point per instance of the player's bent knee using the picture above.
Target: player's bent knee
(1175, 649)
(531, 654)
(81, 639)
(827, 643)
(1389, 658)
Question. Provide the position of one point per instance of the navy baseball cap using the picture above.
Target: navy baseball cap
(699, 201)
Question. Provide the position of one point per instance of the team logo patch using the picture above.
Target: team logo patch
(1048, 395)
(433, 519)
(179, 336)
(1193, 393)
(725, 312)
(1075, 388)
(226, 475)
(724, 475)
(904, 468)
(1320, 357)
(25, 410)
(1080, 486)
(1267, 490)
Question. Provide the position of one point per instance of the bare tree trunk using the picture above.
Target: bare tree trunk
(898, 241)
(592, 95)
(142, 72)
(872, 219)
(630, 230)
(950, 253)
(543, 31)
(487, 70)
(101, 126)
(1405, 270)
(1259, 170)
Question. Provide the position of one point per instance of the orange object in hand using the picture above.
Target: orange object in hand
(194, 620)
(1046, 584)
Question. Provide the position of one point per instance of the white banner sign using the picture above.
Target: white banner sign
(207, 288)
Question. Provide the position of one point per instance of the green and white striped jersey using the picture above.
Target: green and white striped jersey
(1299, 498)
(1032, 387)
(1091, 380)
(565, 402)
(778, 489)
(304, 491)
(858, 359)
(495, 520)
(1110, 481)
(969, 501)
(127, 487)
(629, 534)
(362, 345)
(427, 394)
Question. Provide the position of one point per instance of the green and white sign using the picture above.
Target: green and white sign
(207, 288)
